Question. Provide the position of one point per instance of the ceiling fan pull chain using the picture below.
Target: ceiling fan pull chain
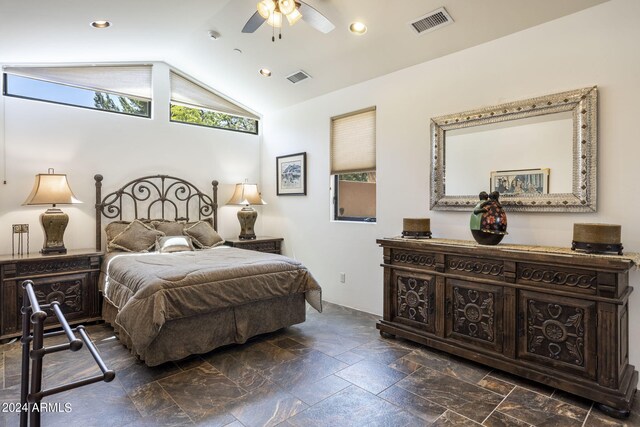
(273, 34)
(280, 33)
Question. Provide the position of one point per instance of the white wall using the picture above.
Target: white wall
(598, 46)
(82, 143)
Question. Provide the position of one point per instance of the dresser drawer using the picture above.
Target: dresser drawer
(554, 277)
(260, 244)
(412, 258)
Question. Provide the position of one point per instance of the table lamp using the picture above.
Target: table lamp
(52, 189)
(247, 195)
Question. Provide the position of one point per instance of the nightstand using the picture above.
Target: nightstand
(260, 244)
(71, 279)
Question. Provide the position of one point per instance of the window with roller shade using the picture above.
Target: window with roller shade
(353, 166)
(124, 89)
(192, 103)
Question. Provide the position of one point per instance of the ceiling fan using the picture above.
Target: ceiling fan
(272, 11)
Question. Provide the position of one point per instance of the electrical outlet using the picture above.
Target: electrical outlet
(343, 277)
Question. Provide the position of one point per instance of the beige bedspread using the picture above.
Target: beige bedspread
(151, 289)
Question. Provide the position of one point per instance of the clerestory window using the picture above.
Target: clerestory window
(124, 89)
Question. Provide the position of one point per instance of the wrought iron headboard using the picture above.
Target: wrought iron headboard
(155, 196)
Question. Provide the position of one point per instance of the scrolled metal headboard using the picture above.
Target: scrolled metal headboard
(155, 196)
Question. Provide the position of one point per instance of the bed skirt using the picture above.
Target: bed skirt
(200, 334)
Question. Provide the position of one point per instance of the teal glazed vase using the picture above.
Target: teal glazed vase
(488, 222)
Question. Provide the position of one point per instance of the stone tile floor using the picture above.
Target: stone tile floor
(332, 370)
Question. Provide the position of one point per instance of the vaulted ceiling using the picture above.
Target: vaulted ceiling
(35, 31)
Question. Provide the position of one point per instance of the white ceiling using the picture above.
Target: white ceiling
(36, 31)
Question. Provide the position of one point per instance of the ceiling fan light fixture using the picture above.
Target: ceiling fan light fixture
(294, 17)
(275, 20)
(286, 6)
(266, 8)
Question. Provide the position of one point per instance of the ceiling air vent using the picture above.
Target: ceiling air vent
(298, 76)
(431, 21)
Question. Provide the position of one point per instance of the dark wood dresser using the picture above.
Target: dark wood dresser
(261, 244)
(71, 279)
(548, 314)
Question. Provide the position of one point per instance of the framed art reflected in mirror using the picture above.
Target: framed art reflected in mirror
(556, 132)
(520, 181)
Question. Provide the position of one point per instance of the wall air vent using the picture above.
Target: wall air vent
(431, 21)
(298, 76)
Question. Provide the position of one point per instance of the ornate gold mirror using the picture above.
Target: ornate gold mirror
(540, 153)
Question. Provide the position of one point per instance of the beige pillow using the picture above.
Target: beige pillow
(169, 228)
(114, 228)
(168, 244)
(203, 235)
(136, 237)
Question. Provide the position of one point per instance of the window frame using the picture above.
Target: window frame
(336, 198)
(5, 92)
(171, 120)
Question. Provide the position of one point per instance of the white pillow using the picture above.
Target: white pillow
(170, 244)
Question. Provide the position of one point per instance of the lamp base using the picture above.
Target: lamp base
(54, 222)
(247, 217)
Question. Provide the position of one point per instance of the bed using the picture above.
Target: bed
(168, 305)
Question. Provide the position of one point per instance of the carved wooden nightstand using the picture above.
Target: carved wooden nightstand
(71, 279)
(260, 244)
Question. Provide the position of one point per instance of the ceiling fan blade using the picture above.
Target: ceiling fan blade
(314, 18)
(253, 23)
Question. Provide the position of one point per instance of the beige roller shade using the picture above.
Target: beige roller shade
(353, 142)
(184, 91)
(127, 80)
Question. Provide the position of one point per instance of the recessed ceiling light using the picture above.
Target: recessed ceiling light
(265, 72)
(101, 24)
(358, 28)
(236, 50)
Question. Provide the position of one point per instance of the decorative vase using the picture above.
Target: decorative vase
(488, 222)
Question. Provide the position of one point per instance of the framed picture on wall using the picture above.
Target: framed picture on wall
(291, 179)
(521, 181)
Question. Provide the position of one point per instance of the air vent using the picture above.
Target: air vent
(431, 21)
(298, 76)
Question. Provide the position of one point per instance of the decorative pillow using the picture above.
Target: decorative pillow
(170, 244)
(136, 237)
(169, 228)
(113, 229)
(203, 235)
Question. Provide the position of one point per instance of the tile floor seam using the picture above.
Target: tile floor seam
(432, 402)
(488, 373)
(588, 413)
(176, 403)
(498, 405)
(515, 418)
(445, 409)
(454, 412)
(523, 386)
(462, 380)
(464, 416)
(321, 400)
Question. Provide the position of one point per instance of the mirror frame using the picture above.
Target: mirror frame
(581, 102)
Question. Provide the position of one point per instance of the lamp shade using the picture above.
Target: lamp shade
(51, 189)
(266, 8)
(246, 194)
(286, 6)
(294, 17)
